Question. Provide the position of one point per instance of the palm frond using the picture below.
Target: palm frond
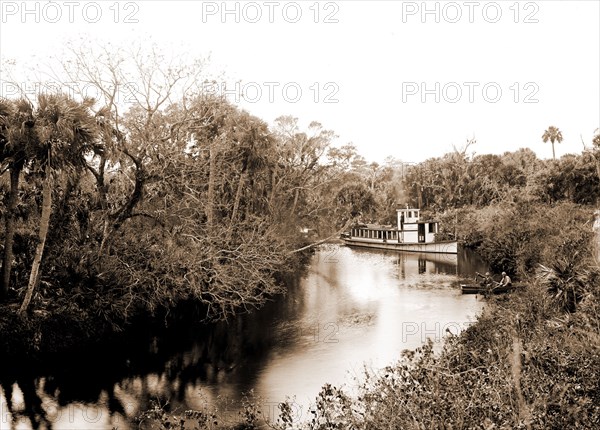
(565, 282)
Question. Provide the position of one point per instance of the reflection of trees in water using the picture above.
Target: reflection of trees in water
(31, 407)
(125, 376)
(469, 263)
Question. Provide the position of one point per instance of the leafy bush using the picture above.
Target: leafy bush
(516, 238)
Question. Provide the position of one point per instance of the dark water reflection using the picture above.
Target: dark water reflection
(353, 308)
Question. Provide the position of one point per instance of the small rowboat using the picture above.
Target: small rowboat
(476, 289)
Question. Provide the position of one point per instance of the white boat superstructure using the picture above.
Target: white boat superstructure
(410, 234)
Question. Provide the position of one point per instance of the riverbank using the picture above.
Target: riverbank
(524, 364)
(87, 320)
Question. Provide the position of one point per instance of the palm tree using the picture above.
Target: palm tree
(553, 134)
(252, 144)
(16, 136)
(67, 132)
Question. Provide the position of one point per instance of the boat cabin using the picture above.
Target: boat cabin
(413, 230)
(374, 231)
(409, 229)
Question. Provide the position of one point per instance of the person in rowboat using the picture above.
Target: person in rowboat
(486, 279)
(486, 284)
(505, 281)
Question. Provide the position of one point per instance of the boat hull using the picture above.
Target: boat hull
(446, 247)
(476, 289)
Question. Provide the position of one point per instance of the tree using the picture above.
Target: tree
(299, 172)
(144, 81)
(356, 200)
(253, 142)
(183, 196)
(343, 156)
(16, 135)
(66, 132)
(552, 134)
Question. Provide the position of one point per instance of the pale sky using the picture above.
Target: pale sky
(501, 72)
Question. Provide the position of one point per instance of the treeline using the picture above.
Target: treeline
(111, 211)
(457, 180)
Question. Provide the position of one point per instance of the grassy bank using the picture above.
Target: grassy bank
(524, 364)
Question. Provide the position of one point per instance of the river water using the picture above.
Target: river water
(352, 310)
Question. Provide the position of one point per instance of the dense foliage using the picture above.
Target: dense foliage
(111, 211)
(458, 180)
(152, 211)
